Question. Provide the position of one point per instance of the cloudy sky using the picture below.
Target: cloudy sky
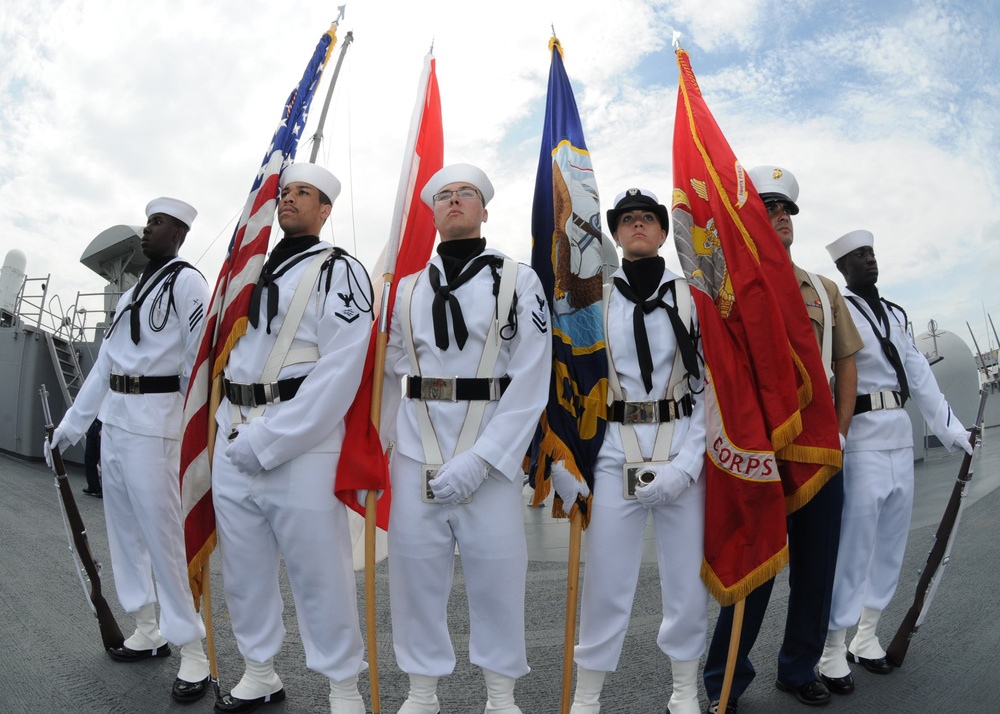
(887, 114)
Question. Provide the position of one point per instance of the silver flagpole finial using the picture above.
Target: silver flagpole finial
(341, 9)
(677, 39)
(553, 29)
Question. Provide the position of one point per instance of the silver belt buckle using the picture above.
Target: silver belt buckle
(271, 393)
(883, 398)
(641, 412)
(132, 384)
(441, 388)
(246, 395)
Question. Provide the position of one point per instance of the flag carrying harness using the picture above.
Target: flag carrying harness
(677, 400)
(489, 388)
(270, 390)
(827, 345)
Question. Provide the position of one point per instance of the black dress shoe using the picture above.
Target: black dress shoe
(838, 685)
(875, 666)
(127, 654)
(813, 693)
(731, 704)
(232, 704)
(187, 692)
(95, 492)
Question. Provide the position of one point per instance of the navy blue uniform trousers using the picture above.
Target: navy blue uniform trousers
(813, 538)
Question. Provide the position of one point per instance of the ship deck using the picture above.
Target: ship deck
(51, 659)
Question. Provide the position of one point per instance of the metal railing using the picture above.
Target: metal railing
(79, 324)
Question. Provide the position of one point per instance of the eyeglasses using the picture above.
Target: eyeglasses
(466, 194)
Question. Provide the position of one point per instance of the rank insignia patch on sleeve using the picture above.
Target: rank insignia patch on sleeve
(541, 317)
(348, 313)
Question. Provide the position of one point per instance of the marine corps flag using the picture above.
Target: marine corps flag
(772, 438)
(566, 254)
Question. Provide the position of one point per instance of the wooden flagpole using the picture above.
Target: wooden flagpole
(572, 588)
(371, 500)
(734, 648)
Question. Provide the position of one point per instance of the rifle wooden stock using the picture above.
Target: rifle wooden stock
(110, 632)
(940, 551)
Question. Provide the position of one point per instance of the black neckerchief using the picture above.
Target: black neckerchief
(152, 276)
(644, 306)
(869, 293)
(284, 251)
(459, 258)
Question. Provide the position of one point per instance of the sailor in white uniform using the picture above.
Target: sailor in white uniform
(651, 462)
(470, 343)
(878, 464)
(137, 389)
(288, 384)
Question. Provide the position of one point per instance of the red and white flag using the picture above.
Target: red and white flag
(227, 317)
(362, 462)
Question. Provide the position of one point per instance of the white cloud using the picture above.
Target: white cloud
(887, 116)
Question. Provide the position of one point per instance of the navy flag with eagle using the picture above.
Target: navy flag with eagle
(568, 257)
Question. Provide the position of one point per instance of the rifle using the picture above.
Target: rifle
(944, 538)
(88, 568)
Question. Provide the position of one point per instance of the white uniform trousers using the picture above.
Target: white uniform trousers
(142, 508)
(489, 532)
(291, 512)
(613, 547)
(878, 503)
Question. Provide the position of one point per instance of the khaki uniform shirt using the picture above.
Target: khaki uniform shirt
(846, 338)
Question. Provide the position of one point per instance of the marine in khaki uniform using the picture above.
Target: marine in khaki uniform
(814, 529)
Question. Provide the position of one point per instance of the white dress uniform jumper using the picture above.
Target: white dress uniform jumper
(878, 477)
(137, 389)
(474, 386)
(656, 417)
(289, 382)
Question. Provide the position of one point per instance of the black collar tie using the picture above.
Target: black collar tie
(443, 295)
(642, 308)
(888, 349)
(286, 248)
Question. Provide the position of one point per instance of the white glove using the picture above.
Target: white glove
(962, 442)
(59, 441)
(362, 494)
(566, 484)
(843, 440)
(241, 454)
(457, 479)
(669, 483)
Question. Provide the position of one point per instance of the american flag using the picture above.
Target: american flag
(227, 317)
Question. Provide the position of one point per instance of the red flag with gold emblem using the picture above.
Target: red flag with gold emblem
(772, 438)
